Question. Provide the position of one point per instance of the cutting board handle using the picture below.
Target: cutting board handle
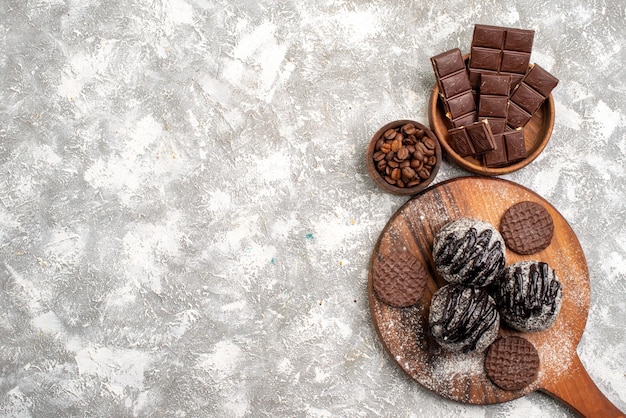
(576, 389)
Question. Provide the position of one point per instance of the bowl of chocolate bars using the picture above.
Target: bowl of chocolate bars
(492, 109)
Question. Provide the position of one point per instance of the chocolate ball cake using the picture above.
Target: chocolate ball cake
(529, 296)
(469, 251)
(463, 318)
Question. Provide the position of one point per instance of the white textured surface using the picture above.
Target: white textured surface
(185, 215)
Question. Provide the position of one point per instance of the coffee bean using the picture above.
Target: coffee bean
(428, 142)
(396, 144)
(416, 164)
(408, 172)
(396, 173)
(379, 155)
(432, 160)
(385, 147)
(424, 173)
(390, 134)
(403, 153)
(409, 129)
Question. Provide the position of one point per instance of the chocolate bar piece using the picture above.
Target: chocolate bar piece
(474, 139)
(460, 142)
(529, 95)
(496, 157)
(510, 147)
(498, 49)
(454, 87)
(493, 100)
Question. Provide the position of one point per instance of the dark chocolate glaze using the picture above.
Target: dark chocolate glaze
(541, 291)
(481, 260)
(477, 317)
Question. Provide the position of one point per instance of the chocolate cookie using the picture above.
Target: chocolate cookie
(463, 318)
(527, 227)
(529, 296)
(512, 362)
(399, 279)
(468, 251)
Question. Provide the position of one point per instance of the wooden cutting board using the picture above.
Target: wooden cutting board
(461, 377)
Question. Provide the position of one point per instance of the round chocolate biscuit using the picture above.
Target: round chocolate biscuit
(399, 279)
(512, 362)
(527, 227)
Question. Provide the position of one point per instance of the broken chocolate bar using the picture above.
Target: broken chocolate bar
(510, 147)
(529, 95)
(474, 139)
(454, 87)
(493, 100)
(496, 49)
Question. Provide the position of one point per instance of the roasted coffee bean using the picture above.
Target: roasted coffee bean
(416, 164)
(424, 173)
(379, 144)
(390, 180)
(379, 155)
(399, 137)
(409, 129)
(400, 183)
(408, 172)
(381, 164)
(396, 144)
(419, 132)
(390, 134)
(389, 156)
(411, 149)
(418, 154)
(414, 182)
(396, 173)
(393, 163)
(428, 142)
(403, 153)
(405, 163)
(432, 160)
(427, 151)
(385, 147)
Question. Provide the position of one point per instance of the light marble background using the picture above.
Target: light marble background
(186, 219)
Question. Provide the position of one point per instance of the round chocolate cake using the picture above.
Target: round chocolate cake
(469, 251)
(529, 296)
(463, 318)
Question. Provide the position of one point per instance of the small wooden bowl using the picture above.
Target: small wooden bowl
(376, 176)
(536, 136)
